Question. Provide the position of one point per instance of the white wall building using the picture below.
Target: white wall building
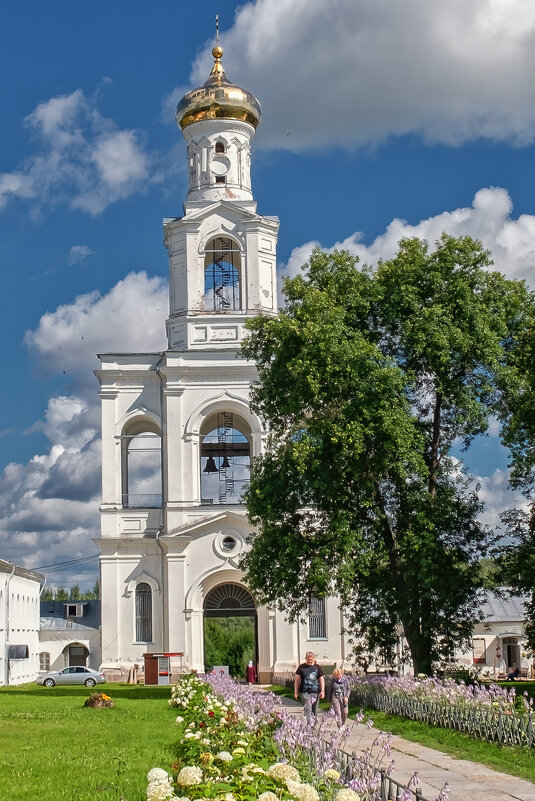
(177, 431)
(499, 641)
(19, 623)
(69, 634)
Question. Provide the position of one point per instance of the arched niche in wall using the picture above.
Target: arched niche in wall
(141, 463)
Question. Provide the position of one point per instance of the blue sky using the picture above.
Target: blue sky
(379, 120)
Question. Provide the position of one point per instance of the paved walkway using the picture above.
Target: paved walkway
(468, 781)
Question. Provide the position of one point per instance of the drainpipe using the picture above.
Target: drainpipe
(7, 623)
(163, 476)
(165, 616)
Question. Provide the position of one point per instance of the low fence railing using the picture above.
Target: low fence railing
(388, 788)
(483, 723)
(141, 500)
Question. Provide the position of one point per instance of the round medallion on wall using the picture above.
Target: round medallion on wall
(220, 165)
(228, 545)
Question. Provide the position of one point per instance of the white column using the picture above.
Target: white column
(175, 600)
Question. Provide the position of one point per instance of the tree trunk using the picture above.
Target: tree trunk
(419, 648)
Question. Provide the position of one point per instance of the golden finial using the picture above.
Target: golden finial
(217, 51)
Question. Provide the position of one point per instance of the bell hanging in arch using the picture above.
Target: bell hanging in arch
(210, 466)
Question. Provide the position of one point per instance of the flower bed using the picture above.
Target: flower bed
(233, 746)
(448, 691)
(491, 713)
(99, 701)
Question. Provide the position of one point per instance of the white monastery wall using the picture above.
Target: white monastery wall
(19, 622)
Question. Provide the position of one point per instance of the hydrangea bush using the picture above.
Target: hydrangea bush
(233, 745)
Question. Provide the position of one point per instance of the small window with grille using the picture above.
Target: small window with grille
(317, 624)
(44, 660)
(219, 147)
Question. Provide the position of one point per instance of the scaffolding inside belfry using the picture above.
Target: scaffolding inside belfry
(221, 275)
(226, 467)
(225, 461)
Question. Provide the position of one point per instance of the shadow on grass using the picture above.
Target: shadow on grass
(132, 691)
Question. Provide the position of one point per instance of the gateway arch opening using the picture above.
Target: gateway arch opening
(230, 629)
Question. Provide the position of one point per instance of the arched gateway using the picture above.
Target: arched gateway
(230, 628)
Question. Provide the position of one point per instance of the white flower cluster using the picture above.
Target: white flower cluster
(331, 774)
(303, 792)
(159, 787)
(268, 796)
(191, 774)
(345, 794)
(224, 756)
(281, 772)
(248, 771)
(183, 693)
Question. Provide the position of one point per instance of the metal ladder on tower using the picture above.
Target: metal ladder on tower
(226, 476)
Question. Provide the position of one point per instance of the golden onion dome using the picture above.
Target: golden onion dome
(218, 99)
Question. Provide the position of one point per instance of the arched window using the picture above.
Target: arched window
(222, 275)
(229, 600)
(225, 459)
(143, 612)
(141, 465)
(219, 147)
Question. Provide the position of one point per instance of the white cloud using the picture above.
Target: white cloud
(129, 318)
(81, 158)
(49, 506)
(78, 253)
(494, 492)
(354, 72)
(511, 241)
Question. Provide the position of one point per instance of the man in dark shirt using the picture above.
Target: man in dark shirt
(309, 681)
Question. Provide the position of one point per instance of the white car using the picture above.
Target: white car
(71, 675)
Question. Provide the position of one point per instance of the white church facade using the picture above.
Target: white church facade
(178, 436)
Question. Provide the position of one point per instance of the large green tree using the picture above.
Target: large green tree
(518, 412)
(367, 378)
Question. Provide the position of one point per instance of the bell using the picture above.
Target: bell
(210, 466)
(225, 463)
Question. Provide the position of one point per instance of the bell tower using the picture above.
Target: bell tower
(222, 254)
(178, 433)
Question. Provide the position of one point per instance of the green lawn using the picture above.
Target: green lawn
(520, 687)
(515, 761)
(52, 747)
